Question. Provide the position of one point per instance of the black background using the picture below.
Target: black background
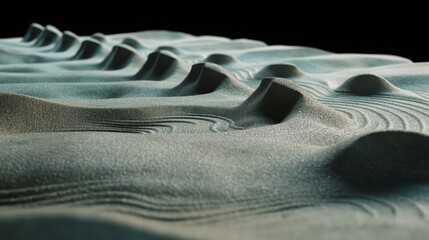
(339, 29)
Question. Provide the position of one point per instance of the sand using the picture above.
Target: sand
(166, 135)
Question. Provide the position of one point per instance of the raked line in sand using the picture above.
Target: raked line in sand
(166, 135)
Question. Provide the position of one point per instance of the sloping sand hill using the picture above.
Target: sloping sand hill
(166, 135)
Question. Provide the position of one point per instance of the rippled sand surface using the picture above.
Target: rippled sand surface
(166, 135)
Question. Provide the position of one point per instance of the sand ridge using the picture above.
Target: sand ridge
(166, 135)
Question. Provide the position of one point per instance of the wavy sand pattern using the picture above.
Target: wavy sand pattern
(166, 135)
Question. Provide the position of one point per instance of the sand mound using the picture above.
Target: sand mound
(367, 84)
(280, 70)
(118, 135)
(208, 77)
(170, 49)
(99, 37)
(220, 59)
(70, 227)
(67, 41)
(120, 57)
(279, 53)
(33, 32)
(160, 65)
(49, 36)
(90, 48)
(134, 43)
(385, 158)
(277, 99)
(19, 113)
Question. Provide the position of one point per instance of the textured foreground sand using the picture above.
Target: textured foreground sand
(165, 135)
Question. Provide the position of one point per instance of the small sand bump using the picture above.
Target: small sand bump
(134, 43)
(367, 84)
(280, 70)
(169, 48)
(279, 52)
(220, 59)
(99, 37)
(384, 159)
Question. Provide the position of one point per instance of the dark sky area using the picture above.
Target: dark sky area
(376, 31)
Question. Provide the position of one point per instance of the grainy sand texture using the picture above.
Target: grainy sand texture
(166, 135)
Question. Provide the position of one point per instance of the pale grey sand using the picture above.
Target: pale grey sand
(166, 135)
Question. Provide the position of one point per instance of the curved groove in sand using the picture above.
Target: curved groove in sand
(311, 140)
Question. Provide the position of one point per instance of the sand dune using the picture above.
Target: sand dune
(385, 158)
(33, 32)
(166, 135)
